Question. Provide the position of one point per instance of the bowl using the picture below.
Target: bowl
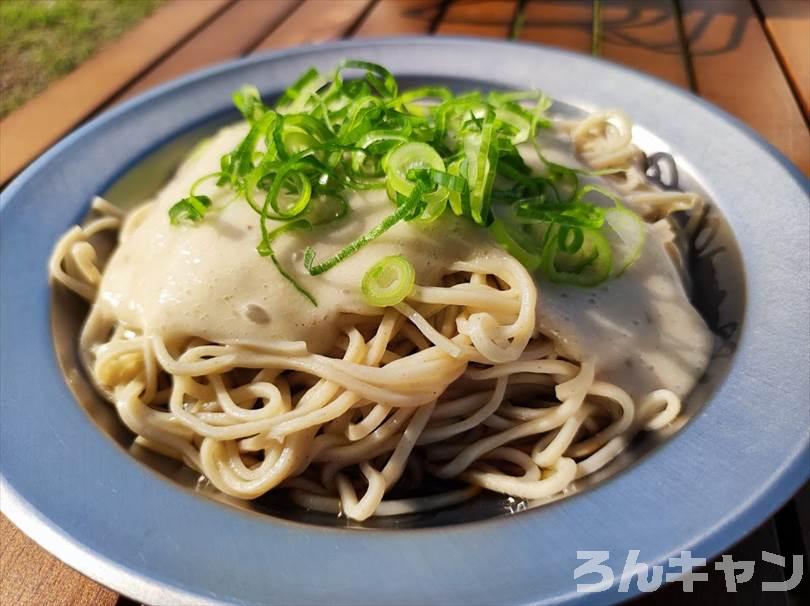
(141, 525)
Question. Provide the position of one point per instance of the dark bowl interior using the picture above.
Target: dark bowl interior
(717, 291)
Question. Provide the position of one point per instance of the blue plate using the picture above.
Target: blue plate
(740, 457)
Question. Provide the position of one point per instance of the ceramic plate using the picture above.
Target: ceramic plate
(742, 453)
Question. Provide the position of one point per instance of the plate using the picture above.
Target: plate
(742, 454)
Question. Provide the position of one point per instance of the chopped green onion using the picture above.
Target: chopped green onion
(296, 97)
(388, 281)
(590, 265)
(196, 184)
(431, 150)
(458, 200)
(326, 208)
(481, 168)
(414, 101)
(406, 211)
(409, 157)
(439, 178)
(304, 187)
(377, 76)
(189, 210)
(265, 249)
(249, 102)
(626, 234)
(581, 193)
(532, 210)
(510, 239)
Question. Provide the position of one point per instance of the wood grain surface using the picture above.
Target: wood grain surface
(736, 68)
(487, 18)
(401, 18)
(316, 21)
(237, 31)
(27, 132)
(751, 59)
(788, 23)
(31, 577)
(566, 24)
(643, 34)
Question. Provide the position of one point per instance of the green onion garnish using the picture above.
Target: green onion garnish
(189, 210)
(388, 281)
(433, 152)
(408, 209)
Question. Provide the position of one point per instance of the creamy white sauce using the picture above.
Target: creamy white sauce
(640, 328)
(208, 281)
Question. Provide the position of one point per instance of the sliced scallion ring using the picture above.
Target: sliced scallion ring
(189, 210)
(626, 233)
(405, 158)
(388, 282)
(589, 266)
(290, 174)
(515, 243)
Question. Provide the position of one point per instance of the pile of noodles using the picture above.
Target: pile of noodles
(454, 383)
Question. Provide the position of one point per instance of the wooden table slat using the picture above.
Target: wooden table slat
(736, 69)
(29, 576)
(788, 23)
(233, 34)
(27, 132)
(562, 23)
(400, 18)
(643, 34)
(316, 21)
(489, 18)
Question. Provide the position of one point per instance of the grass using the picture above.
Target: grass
(41, 40)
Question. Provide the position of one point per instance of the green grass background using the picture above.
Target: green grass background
(41, 40)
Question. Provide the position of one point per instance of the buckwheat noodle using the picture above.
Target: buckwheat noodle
(455, 383)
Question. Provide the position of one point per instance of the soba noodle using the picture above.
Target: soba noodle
(457, 382)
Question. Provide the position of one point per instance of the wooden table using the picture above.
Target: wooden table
(750, 57)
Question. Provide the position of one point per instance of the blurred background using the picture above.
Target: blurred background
(64, 61)
(44, 39)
